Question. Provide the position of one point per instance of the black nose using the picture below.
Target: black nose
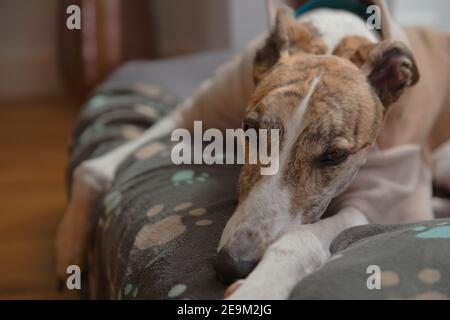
(230, 269)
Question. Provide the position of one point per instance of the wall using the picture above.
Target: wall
(248, 18)
(423, 12)
(28, 52)
(189, 26)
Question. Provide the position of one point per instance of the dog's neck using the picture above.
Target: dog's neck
(335, 25)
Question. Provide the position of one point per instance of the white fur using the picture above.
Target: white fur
(295, 126)
(334, 25)
(441, 166)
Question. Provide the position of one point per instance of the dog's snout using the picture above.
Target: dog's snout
(230, 268)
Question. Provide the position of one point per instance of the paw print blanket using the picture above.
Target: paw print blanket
(156, 231)
(400, 261)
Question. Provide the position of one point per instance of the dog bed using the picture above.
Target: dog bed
(157, 229)
(411, 261)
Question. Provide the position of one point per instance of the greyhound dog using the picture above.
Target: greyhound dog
(342, 97)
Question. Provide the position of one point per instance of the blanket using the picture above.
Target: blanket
(157, 229)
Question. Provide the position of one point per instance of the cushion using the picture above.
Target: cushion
(157, 229)
(409, 261)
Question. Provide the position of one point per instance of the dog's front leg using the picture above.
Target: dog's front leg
(297, 253)
(90, 180)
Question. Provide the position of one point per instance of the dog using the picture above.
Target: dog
(352, 116)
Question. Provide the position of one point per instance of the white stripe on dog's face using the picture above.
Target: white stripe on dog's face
(295, 126)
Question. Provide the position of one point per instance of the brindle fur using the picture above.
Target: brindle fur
(345, 111)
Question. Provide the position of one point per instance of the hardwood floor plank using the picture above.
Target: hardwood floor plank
(33, 137)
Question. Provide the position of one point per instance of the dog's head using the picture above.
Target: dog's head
(329, 110)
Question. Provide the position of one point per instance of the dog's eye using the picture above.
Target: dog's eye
(333, 157)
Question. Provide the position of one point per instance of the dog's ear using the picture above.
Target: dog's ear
(354, 48)
(390, 68)
(276, 45)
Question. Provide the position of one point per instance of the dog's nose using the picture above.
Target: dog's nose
(230, 269)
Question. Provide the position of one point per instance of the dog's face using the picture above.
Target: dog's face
(328, 110)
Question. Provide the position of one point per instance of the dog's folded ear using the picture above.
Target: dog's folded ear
(286, 38)
(276, 45)
(390, 68)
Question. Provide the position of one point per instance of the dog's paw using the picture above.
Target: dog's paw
(89, 183)
(255, 289)
(69, 248)
(232, 288)
(92, 177)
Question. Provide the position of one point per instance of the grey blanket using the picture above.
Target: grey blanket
(157, 229)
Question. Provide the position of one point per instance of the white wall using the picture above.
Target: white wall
(433, 13)
(248, 18)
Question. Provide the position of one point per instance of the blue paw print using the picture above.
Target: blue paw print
(438, 232)
(188, 177)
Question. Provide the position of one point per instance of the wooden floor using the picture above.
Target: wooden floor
(33, 140)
